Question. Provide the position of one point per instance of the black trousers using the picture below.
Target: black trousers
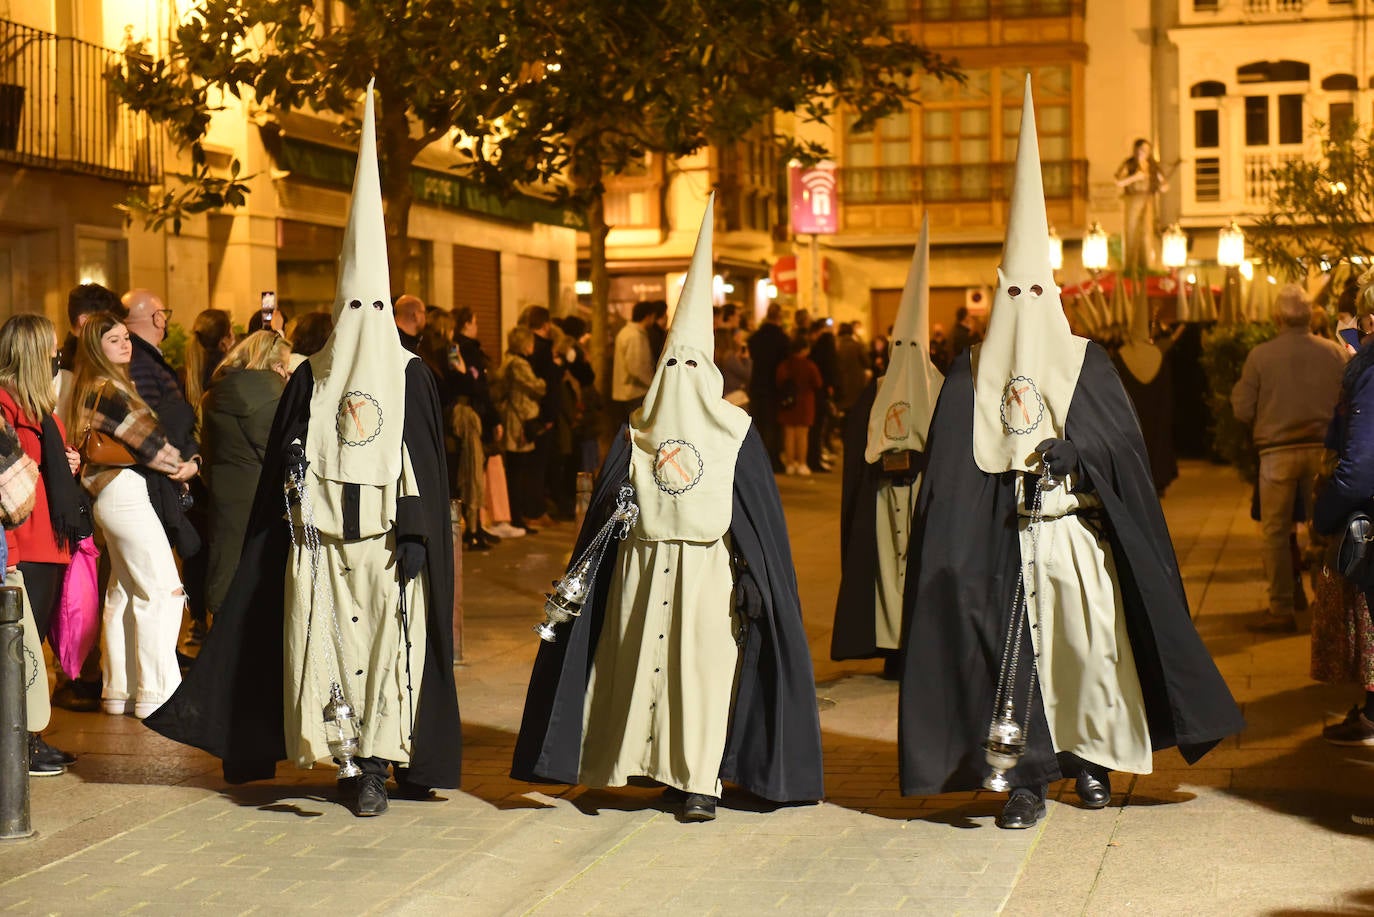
(43, 584)
(521, 480)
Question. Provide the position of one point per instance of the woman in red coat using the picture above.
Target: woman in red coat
(798, 382)
(41, 548)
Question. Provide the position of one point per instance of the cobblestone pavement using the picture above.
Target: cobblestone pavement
(1260, 826)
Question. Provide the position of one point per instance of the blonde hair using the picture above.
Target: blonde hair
(518, 338)
(26, 346)
(94, 369)
(260, 350)
(211, 327)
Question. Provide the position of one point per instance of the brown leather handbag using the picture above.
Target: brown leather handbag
(98, 448)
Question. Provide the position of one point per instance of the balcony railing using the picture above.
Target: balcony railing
(57, 111)
(968, 182)
(1259, 181)
(1264, 7)
(967, 10)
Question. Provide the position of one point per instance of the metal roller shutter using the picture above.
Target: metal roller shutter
(477, 285)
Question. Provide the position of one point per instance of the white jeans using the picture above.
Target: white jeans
(143, 603)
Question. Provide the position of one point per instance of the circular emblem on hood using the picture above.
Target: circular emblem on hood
(359, 419)
(677, 466)
(1022, 406)
(895, 421)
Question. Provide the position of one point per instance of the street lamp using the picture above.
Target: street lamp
(1175, 257)
(1231, 255)
(1095, 249)
(1095, 262)
(1056, 251)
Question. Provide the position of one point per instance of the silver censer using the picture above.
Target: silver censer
(1005, 745)
(341, 732)
(570, 593)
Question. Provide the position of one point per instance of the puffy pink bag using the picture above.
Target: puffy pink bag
(77, 621)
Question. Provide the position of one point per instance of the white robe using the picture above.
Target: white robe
(896, 509)
(1085, 664)
(659, 697)
(359, 594)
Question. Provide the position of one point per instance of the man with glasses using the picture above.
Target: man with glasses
(159, 385)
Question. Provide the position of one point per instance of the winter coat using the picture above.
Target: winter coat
(236, 417)
(34, 541)
(1351, 434)
(799, 374)
(517, 391)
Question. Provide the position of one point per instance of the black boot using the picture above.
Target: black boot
(1024, 808)
(475, 543)
(1093, 786)
(699, 807)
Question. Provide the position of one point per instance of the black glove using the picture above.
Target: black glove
(1060, 456)
(410, 558)
(294, 455)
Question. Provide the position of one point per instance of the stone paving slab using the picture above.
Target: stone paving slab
(1260, 826)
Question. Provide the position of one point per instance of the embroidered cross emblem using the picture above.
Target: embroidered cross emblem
(359, 419)
(677, 466)
(894, 421)
(1021, 397)
(352, 407)
(671, 458)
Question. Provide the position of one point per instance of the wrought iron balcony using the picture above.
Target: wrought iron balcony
(967, 10)
(57, 111)
(955, 183)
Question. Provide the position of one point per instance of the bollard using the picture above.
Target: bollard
(14, 724)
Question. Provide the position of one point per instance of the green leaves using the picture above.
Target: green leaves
(1320, 210)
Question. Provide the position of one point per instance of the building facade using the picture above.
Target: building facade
(70, 153)
(1252, 81)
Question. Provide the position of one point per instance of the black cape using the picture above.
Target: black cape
(774, 744)
(230, 703)
(854, 635)
(1154, 406)
(963, 564)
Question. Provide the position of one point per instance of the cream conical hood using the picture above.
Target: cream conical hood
(1026, 369)
(357, 409)
(900, 417)
(685, 436)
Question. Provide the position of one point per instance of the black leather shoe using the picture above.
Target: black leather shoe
(474, 543)
(699, 807)
(1093, 791)
(1022, 810)
(409, 789)
(42, 751)
(364, 796)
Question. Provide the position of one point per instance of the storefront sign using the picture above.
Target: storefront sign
(331, 166)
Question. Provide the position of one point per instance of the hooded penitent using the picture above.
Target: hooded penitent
(1139, 354)
(685, 436)
(906, 394)
(1027, 367)
(360, 371)
(688, 664)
